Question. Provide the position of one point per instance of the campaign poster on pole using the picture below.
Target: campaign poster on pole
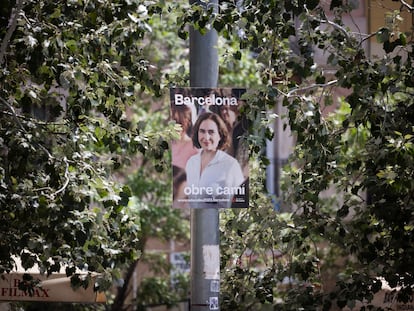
(210, 160)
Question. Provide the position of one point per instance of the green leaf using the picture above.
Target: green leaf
(71, 45)
(383, 35)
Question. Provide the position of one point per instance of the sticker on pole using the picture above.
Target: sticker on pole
(210, 158)
(211, 262)
(213, 303)
(215, 286)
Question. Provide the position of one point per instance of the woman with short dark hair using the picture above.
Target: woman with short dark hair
(213, 176)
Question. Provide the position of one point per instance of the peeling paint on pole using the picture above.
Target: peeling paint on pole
(211, 262)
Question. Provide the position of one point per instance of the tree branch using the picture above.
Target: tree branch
(13, 112)
(15, 116)
(408, 6)
(10, 30)
(66, 176)
(293, 92)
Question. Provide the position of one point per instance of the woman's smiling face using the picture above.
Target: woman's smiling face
(208, 135)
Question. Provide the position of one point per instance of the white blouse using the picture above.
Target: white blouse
(220, 180)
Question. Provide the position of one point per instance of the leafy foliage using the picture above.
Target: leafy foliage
(69, 71)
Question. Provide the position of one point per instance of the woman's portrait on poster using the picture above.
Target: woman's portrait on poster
(213, 176)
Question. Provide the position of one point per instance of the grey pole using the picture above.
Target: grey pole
(205, 238)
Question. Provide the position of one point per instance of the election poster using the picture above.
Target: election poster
(210, 160)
